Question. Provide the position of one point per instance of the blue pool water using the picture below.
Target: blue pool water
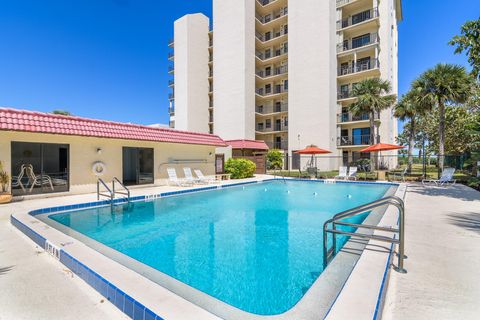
(258, 247)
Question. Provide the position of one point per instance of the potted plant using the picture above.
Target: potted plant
(5, 196)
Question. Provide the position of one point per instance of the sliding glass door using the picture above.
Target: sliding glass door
(39, 168)
(138, 166)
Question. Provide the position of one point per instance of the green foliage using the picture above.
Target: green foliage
(469, 41)
(62, 112)
(474, 183)
(240, 168)
(274, 160)
(4, 178)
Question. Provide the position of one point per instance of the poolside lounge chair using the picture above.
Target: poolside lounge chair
(400, 175)
(352, 173)
(37, 180)
(447, 177)
(173, 179)
(189, 176)
(342, 173)
(205, 179)
(17, 180)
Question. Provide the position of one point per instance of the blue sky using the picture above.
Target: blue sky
(107, 59)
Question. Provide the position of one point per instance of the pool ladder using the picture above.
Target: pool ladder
(399, 234)
(112, 192)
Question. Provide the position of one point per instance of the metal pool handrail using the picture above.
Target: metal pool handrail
(110, 194)
(125, 193)
(391, 200)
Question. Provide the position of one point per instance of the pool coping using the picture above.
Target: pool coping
(71, 253)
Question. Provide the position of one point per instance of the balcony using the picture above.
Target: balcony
(171, 69)
(171, 83)
(210, 43)
(341, 3)
(268, 110)
(270, 92)
(360, 66)
(270, 55)
(171, 55)
(358, 42)
(267, 73)
(356, 140)
(349, 117)
(265, 19)
(171, 96)
(171, 42)
(171, 111)
(264, 3)
(358, 18)
(210, 104)
(279, 145)
(270, 36)
(345, 94)
(273, 128)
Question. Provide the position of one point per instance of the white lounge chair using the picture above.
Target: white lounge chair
(17, 180)
(352, 173)
(37, 180)
(447, 177)
(400, 175)
(173, 179)
(189, 176)
(342, 173)
(205, 179)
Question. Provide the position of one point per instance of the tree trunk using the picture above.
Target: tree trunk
(411, 144)
(441, 135)
(373, 158)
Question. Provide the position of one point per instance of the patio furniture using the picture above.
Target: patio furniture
(189, 176)
(17, 180)
(400, 175)
(37, 180)
(446, 178)
(352, 173)
(205, 179)
(342, 173)
(173, 178)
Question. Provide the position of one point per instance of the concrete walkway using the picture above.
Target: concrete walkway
(443, 248)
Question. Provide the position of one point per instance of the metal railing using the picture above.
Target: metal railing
(271, 35)
(171, 69)
(358, 42)
(171, 82)
(110, 195)
(355, 140)
(126, 191)
(171, 42)
(345, 94)
(276, 90)
(357, 67)
(349, 117)
(266, 73)
(271, 54)
(271, 16)
(343, 2)
(265, 2)
(272, 128)
(171, 96)
(357, 18)
(283, 107)
(280, 145)
(171, 111)
(171, 55)
(329, 254)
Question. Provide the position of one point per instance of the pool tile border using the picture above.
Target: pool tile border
(124, 302)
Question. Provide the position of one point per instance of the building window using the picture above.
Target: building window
(268, 123)
(39, 168)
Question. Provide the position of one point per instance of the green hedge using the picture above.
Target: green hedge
(240, 168)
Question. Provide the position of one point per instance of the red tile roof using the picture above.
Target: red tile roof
(247, 144)
(39, 122)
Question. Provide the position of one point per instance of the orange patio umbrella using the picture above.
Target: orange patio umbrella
(313, 150)
(381, 147)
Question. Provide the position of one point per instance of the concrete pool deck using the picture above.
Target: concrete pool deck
(443, 248)
(71, 298)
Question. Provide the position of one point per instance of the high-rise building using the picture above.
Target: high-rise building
(283, 71)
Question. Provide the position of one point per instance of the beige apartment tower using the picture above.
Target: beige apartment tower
(282, 71)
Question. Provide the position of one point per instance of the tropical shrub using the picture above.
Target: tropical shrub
(474, 183)
(4, 179)
(274, 160)
(240, 168)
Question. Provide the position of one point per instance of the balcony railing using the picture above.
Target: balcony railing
(210, 58)
(358, 42)
(345, 94)
(171, 55)
(276, 90)
(355, 140)
(210, 104)
(210, 43)
(272, 128)
(171, 82)
(280, 145)
(272, 108)
(265, 2)
(271, 35)
(269, 55)
(357, 18)
(171, 111)
(171, 42)
(273, 72)
(349, 117)
(171, 96)
(343, 2)
(171, 69)
(272, 16)
(210, 73)
(358, 67)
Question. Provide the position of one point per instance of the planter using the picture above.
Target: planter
(5, 198)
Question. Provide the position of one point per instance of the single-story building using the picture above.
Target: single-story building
(46, 153)
(254, 150)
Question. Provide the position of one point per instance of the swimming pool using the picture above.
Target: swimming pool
(257, 247)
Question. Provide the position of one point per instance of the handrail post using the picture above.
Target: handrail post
(98, 190)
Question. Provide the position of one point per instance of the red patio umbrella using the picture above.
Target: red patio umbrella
(313, 150)
(381, 147)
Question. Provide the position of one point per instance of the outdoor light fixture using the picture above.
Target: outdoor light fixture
(99, 151)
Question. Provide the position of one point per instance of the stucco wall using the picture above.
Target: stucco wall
(83, 153)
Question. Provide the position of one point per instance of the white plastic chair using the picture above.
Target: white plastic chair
(17, 180)
(205, 179)
(37, 180)
(189, 176)
(352, 173)
(447, 177)
(342, 173)
(173, 178)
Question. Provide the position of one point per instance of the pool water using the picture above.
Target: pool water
(257, 247)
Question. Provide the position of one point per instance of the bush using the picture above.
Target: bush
(474, 183)
(274, 160)
(240, 168)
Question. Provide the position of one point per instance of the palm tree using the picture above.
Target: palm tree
(373, 96)
(411, 107)
(442, 85)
